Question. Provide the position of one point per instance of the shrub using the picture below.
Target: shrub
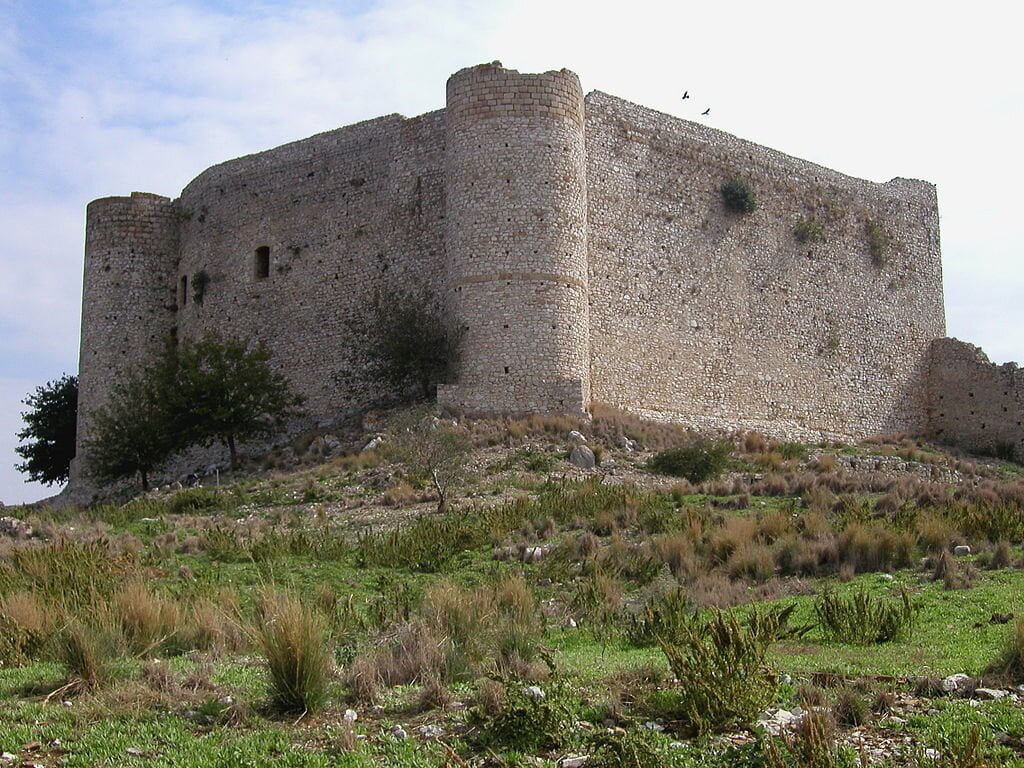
(147, 621)
(194, 500)
(851, 708)
(811, 745)
(793, 451)
(701, 460)
(723, 670)
(663, 618)
(739, 196)
(528, 719)
(863, 619)
(1009, 663)
(808, 231)
(878, 242)
(294, 639)
(88, 652)
(25, 626)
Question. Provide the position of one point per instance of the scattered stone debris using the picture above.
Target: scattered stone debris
(350, 716)
(574, 761)
(955, 683)
(534, 692)
(15, 528)
(431, 731)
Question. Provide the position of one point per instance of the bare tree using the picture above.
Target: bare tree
(432, 451)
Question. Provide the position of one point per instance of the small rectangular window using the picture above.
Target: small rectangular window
(183, 291)
(262, 262)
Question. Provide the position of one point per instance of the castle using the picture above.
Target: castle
(582, 245)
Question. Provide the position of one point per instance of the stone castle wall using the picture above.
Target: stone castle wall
(580, 245)
(742, 324)
(975, 403)
(342, 214)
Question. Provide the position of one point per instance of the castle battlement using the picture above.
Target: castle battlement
(582, 245)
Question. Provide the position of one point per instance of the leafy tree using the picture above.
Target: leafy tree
(50, 423)
(407, 341)
(221, 390)
(432, 451)
(132, 433)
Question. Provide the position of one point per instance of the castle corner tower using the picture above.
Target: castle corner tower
(516, 240)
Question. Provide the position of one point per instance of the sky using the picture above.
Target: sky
(106, 97)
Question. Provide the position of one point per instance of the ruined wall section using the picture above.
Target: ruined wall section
(974, 403)
(726, 320)
(342, 214)
(517, 241)
(131, 245)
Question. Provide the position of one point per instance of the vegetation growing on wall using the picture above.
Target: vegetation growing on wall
(739, 196)
(809, 230)
(200, 280)
(878, 242)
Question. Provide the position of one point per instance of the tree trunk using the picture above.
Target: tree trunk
(233, 451)
(145, 480)
(442, 498)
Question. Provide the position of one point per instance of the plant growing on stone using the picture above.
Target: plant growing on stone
(739, 196)
(878, 242)
(808, 231)
(407, 343)
(50, 425)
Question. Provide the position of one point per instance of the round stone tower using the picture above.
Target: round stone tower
(516, 239)
(128, 296)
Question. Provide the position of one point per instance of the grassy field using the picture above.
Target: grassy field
(329, 615)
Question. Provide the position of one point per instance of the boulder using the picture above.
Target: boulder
(961, 550)
(577, 437)
(582, 457)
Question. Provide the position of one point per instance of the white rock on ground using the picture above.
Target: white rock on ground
(955, 682)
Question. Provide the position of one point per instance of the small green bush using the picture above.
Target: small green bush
(793, 450)
(878, 242)
(663, 618)
(739, 197)
(808, 231)
(530, 718)
(722, 668)
(194, 500)
(701, 460)
(863, 619)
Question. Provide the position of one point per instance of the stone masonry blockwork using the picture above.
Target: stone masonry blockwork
(581, 245)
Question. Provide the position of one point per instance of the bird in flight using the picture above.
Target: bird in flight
(706, 111)
(686, 94)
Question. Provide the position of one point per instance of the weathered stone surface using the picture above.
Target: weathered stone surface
(583, 457)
